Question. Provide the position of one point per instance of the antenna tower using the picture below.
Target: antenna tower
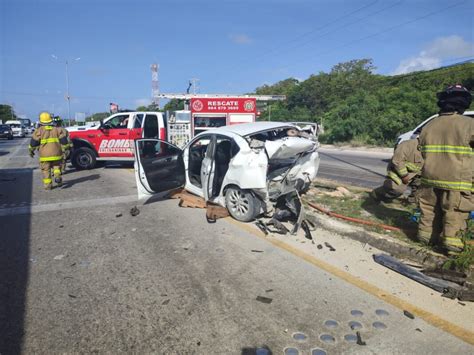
(155, 88)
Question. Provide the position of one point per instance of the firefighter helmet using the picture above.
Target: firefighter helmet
(454, 98)
(58, 121)
(45, 118)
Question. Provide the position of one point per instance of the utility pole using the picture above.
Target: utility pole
(68, 97)
(155, 88)
(194, 85)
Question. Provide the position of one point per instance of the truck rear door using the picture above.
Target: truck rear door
(153, 126)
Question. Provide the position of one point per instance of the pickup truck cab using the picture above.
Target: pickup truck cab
(113, 138)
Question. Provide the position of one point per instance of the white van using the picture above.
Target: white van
(18, 128)
(416, 131)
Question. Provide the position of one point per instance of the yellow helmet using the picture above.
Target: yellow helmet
(45, 118)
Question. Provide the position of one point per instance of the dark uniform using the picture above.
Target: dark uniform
(446, 196)
(406, 164)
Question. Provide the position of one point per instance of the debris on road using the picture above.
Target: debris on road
(187, 199)
(307, 232)
(448, 275)
(59, 257)
(408, 314)
(256, 251)
(214, 212)
(260, 225)
(359, 339)
(134, 211)
(329, 246)
(319, 246)
(263, 299)
(397, 266)
(165, 302)
(462, 295)
(72, 296)
(118, 215)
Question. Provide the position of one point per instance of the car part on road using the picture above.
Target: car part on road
(405, 270)
(83, 158)
(448, 275)
(329, 246)
(242, 204)
(359, 339)
(260, 225)
(214, 212)
(134, 211)
(263, 299)
(307, 232)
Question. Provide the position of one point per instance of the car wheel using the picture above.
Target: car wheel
(241, 204)
(83, 158)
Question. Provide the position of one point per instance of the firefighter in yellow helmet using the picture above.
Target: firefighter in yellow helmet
(446, 195)
(51, 142)
(59, 123)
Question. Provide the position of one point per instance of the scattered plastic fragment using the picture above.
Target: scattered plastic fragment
(134, 211)
(118, 215)
(331, 248)
(263, 299)
(408, 314)
(59, 257)
(359, 339)
(256, 251)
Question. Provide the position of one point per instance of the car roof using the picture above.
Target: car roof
(245, 129)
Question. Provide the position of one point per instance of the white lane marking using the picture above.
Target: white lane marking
(66, 205)
(12, 153)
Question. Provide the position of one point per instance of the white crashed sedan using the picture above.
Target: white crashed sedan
(244, 167)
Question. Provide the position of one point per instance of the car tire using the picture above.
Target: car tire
(83, 158)
(242, 204)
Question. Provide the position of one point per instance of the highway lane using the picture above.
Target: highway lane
(353, 167)
(92, 278)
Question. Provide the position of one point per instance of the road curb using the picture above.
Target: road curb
(396, 248)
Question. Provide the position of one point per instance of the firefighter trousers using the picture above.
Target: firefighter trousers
(46, 167)
(444, 214)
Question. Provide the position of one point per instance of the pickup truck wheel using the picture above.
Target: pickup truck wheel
(83, 158)
(241, 204)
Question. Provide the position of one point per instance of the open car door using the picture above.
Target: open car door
(159, 167)
(208, 169)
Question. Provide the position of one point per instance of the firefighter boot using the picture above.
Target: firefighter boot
(46, 172)
(57, 175)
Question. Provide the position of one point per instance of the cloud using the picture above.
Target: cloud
(142, 102)
(435, 53)
(240, 38)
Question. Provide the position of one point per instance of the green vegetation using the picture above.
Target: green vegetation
(465, 259)
(6, 113)
(354, 104)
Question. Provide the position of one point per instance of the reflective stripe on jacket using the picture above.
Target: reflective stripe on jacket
(446, 144)
(48, 140)
(406, 159)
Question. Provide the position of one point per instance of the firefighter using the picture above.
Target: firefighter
(51, 142)
(68, 146)
(402, 171)
(446, 195)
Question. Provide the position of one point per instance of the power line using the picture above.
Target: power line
(388, 29)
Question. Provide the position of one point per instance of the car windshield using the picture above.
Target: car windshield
(15, 125)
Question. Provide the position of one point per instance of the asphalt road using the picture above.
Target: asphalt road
(353, 167)
(79, 274)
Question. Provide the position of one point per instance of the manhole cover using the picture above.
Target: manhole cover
(356, 313)
(355, 325)
(379, 325)
(381, 312)
(299, 336)
(291, 351)
(327, 338)
(331, 323)
(351, 338)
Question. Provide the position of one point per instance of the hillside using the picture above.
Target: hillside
(354, 104)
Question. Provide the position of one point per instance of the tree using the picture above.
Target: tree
(174, 105)
(7, 113)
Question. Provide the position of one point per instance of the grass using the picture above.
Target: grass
(397, 214)
(360, 205)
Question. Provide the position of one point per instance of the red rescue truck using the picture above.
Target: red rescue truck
(112, 139)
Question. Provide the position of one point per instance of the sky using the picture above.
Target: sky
(232, 47)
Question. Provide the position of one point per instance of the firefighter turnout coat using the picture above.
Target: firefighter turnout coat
(406, 160)
(446, 144)
(50, 142)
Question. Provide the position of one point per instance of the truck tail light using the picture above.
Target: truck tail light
(163, 134)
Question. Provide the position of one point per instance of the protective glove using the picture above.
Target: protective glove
(406, 179)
